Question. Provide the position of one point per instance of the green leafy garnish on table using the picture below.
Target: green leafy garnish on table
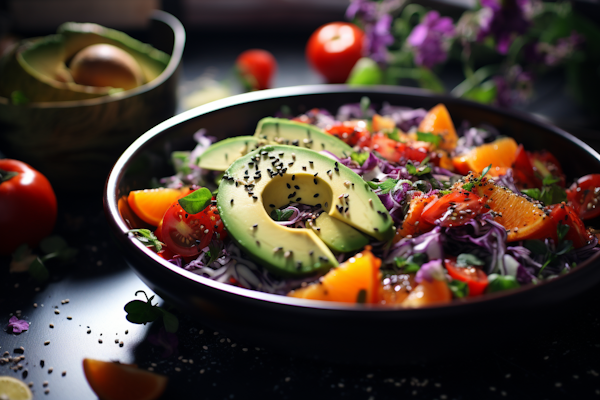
(142, 312)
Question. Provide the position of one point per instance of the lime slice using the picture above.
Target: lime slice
(14, 389)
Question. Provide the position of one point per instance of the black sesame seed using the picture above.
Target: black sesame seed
(315, 181)
(294, 178)
(298, 199)
(310, 253)
(316, 195)
(296, 186)
(291, 195)
(288, 185)
(272, 205)
(316, 173)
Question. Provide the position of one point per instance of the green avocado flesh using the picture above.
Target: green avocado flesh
(220, 155)
(275, 176)
(37, 68)
(338, 235)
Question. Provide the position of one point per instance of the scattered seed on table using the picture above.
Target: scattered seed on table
(116, 340)
(42, 362)
(34, 305)
(51, 325)
(177, 369)
(64, 373)
(50, 370)
(45, 384)
(150, 369)
(30, 384)
(121, 343)
(19, 350)
(89, 331)
(46, 343)
(154, 364)
(47, 391)
(57, 311)
(25, 373)
(126, 332)
(100, 341)
(69, 317)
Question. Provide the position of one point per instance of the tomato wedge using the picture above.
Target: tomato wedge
(394, 151)
(454, 209)
(186, 234)
(351, 132)
(584, 196)
(563, 214)
(474, 277)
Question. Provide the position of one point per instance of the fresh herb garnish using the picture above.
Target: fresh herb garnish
(394, 135)
(539, 248)
(429, 137)
(196, 201)
(147, 237)
(422, 169)
(550, 193)
(458, 288)
(365, 103)
(281, 215)
(468, 260)
(469, 185)
(498, 283)
(54, 248)
(360, 158)
(142, 312)
(385, 186)
(361, 298)
(213, 253)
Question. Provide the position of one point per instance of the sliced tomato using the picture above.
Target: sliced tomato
(394, 151)
(523, 170)
(186, 234)
(351, 132)
(584, 196)
(563, 214)
(474, 277)
(454, 209)
(166, 254)
(215, 219)
(545, 164)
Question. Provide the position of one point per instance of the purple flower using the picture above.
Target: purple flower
(429, 39)
(378, 38)
(514, 87)
(563, 49)
(364, 10)
(16, 325)
(503, 20)
(431, 271)
(168, 341)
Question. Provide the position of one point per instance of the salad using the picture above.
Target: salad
(391, 206)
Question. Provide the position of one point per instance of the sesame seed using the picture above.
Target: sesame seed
(46, 343)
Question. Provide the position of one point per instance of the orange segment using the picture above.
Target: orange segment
(412, 224)
(522, 218)
(356, 280)
(380, 123)
(438, 121)
(501, 153)
(113, 381)
(396, 288)
(150, 204)
(428, 293)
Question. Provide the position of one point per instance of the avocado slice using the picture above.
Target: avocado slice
(338, 235)
(37, 68)
(220, 155)
(285, 131)
(276, 175)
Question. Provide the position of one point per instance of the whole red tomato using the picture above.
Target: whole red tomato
(256, 68)
(27, 206)
(334, 48)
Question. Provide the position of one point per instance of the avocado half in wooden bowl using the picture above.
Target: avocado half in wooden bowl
(355, 333)
(72, 128)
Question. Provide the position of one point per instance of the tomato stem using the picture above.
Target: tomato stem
(6, 175)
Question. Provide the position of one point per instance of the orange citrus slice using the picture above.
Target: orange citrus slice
(438, 121)
(355, 281)
(413, 225)
(501, 153)
(521, 217)
(150, 204)
(14, 389)
(114, 381)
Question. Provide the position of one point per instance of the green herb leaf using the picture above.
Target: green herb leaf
(147, 237)
(562, 230)
(141, 312)
(536, 247)
(18, 98)
(281, 215)
(429, 137)
(365, 103)
(407, 266)
(458, 288)
(422, 169)
(196, 201)
(469, 185)
(498, 283)
(394, 135)
(181, 162)
(38, 271)
(387, 185)
(550, 180)
(468, 260)
(213, 252)
(534, 193)
(171, 322)
(360, 158)
(53, 244)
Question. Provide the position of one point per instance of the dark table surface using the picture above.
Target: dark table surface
(84, 301)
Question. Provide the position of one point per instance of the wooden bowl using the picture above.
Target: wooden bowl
(75, 143)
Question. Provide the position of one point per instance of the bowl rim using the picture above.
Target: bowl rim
(179, 38)
(119, 225)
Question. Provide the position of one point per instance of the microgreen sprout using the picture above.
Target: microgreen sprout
(469, 185)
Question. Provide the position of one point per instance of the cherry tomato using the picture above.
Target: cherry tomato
(474, 277)
(394, 151)
(531, 168)
(454, 209)
(215, 219)
(334, 48)
(256, 68)
(545, 164)
(523, 170)
(351, 132)
(584, 196)
(27, 206)
(563, 214)
(186, 234)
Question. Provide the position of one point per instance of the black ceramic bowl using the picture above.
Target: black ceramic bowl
(328, 330)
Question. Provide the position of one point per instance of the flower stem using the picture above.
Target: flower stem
(475, 79)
